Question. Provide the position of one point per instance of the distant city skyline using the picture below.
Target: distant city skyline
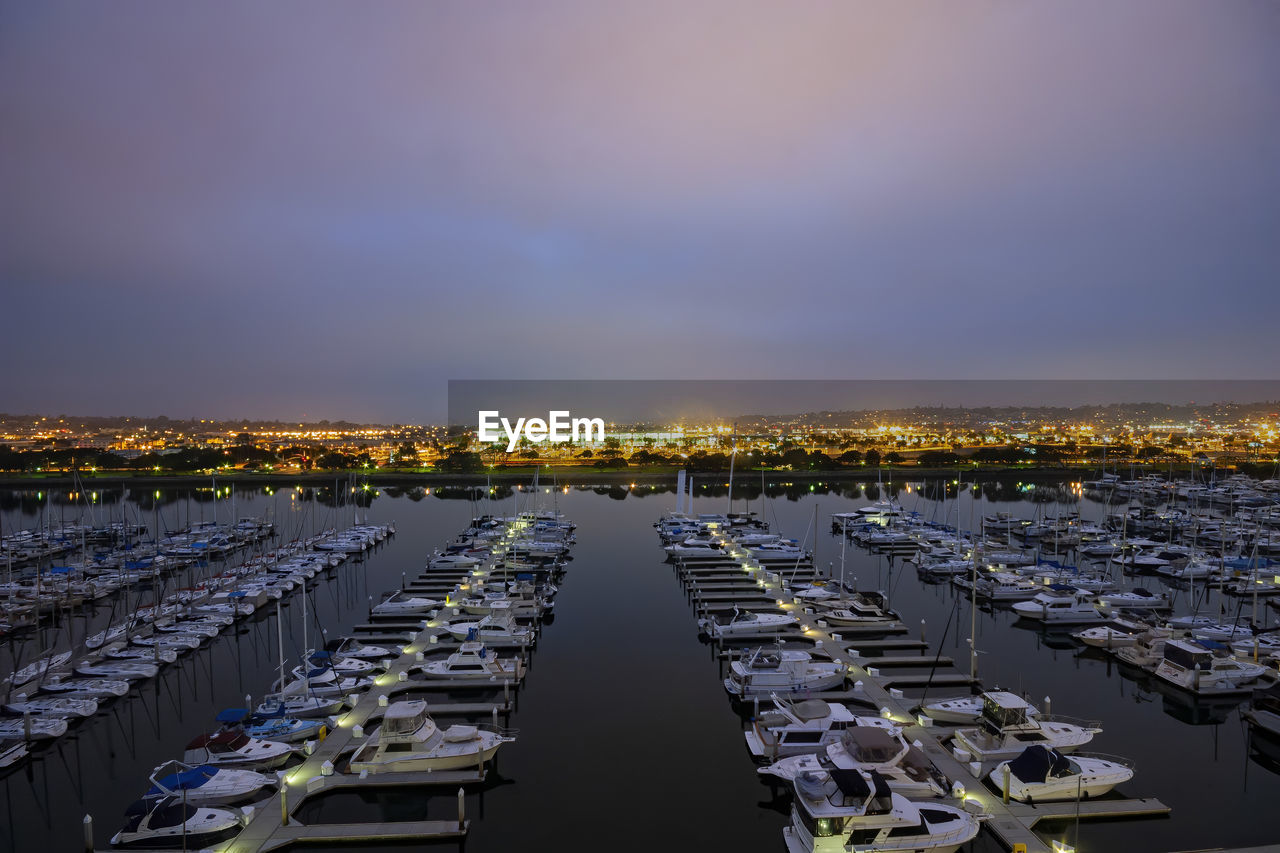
(315, 210)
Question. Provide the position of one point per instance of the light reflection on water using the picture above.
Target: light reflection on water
(625, 729)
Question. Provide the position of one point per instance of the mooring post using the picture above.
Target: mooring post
(1005, 786)
(1048, 706)
(88, 833)
(922, 639)
(462, 809)
(284, 802)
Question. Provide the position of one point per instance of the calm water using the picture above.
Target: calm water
(625, 729)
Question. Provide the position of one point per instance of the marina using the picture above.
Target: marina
(892, 660)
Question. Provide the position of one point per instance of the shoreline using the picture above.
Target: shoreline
(575, 475)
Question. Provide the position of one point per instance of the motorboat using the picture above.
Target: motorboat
(276, 727)
(319, 681)
(1206, 668)
(1042, 775)
(409, 740)
(794, 728)
(352, 648)
(498, 627)
(167, 823)
(53, 706)
(452, 561)
(236, 749)
(1136, 599)
(841, 810)
(473, 661)
(403, 604)
(878, 749)
(963, 709)
(858, 609)
(1006, 729)
(342, 665)
(1263, 717)
(1061, 604)
(304, 706)
(1117, 634)
(767, 670)
(206, 784)
(745, 623)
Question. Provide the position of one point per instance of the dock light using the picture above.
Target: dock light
(1062, 847)
(957, 790)
(886, 713)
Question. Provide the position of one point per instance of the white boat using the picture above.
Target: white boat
(498, 627)
(871, 749)
(30, 727)
(319, 681)
(123, 651)
(342, 665)
(452, 561)
(37, 668)
(304, 706)
(236, 749)
(1206, 668)
(695, 548)
(353, 648)
(123, 670)
(781, 671)
(1117, 634)
(12, 752)
(1135, 599)
(53, 706)
(207, 785)
(747, 624)
(171, 824)
(409, 740)
(1005, 730)
(1060, 605)
(473, 661)
(963, 709)
(793, 728)
(115, 632)
(856, 609)
(1043, 775)
(837, 811)
(401, 603)
(98, 688)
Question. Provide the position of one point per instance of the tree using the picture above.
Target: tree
(406, 453)
(893, 457)
(872, 457)
(850, 457)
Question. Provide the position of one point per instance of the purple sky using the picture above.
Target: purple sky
(329, 209)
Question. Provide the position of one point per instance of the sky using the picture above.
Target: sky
(329, 210)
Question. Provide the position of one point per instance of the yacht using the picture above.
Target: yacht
(963, 709)
(1263, 717)
(1206, 668)
(1060, 605)
(781, 671)
(877, 749)
(276, 727)
(473, 661)
(206, 785)
(167, 823)
(1136, 599)
(747, 624)
(1006, 729)
(353, 648)
(403, 604)
(794, 728)
(498, 627)
(1042, 775)
(841, 810)
(1117, 634)
(859, 609)
(12, 752)
(236, 749)
(409, 740)
(34, 670)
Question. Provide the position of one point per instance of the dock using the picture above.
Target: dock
(1011, 823)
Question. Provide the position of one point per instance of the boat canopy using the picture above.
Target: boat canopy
(1036, 764)
(185, 780)
(870, 745)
